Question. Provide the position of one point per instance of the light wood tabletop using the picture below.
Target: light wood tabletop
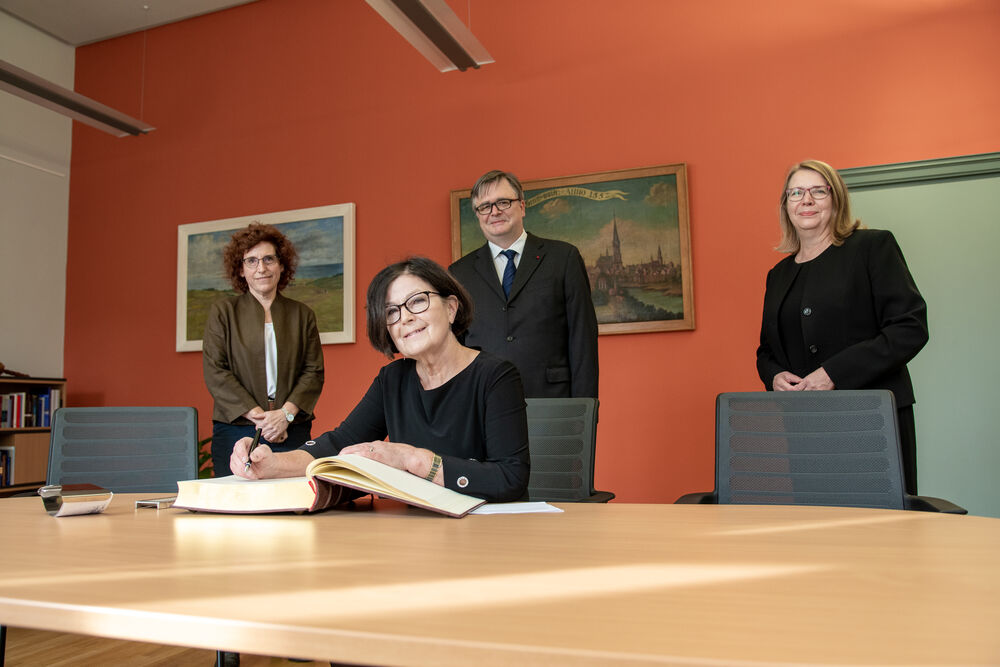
(614, 584)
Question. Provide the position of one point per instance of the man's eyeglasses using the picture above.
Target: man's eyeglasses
(487, 206)
(416, 304)
(268, 260)
(816, 192)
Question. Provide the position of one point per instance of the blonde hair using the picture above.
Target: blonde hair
(842, 224)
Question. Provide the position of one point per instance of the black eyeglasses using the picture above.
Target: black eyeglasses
(417, 303)
(816, 192)
(268, 260)
(487, 206)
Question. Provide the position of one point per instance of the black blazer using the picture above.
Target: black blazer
(547, 328)
(862, 316)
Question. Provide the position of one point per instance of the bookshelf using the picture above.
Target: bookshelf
(25, 439)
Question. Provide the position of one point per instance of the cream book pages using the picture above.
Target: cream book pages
(245, 496)
(358, 472)
(330, 481)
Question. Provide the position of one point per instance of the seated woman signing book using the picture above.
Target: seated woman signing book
(452, 415)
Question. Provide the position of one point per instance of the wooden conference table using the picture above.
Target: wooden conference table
(601, 585)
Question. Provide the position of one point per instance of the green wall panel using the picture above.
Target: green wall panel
(949, 230)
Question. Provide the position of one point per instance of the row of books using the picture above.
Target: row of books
(24, 409)
(6, 466)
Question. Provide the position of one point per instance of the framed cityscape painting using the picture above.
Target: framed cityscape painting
(631, 228)
(324, 280)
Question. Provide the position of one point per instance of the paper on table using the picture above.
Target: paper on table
(74, 499)
(514, 508)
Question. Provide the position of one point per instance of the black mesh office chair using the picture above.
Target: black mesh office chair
(811, 448)
(562, 438)
(125, 450)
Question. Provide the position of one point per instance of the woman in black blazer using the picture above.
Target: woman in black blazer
(842, 310)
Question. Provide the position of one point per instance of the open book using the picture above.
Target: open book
(329, 481)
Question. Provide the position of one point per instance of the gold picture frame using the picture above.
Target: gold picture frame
(324, 280)
(633, 231)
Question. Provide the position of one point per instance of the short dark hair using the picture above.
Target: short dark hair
(491, 177)
(245, 239)
(430, 272)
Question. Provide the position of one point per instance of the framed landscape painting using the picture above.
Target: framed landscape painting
(324, 279)
(631, 228)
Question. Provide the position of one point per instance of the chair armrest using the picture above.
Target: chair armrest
(700, 498)
(932, 504)
(599, 497)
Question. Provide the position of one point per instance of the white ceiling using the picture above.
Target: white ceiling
(79, 22)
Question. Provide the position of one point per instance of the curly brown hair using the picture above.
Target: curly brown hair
(245, 239)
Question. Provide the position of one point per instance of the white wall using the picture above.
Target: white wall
(949, 232)
(35, 148)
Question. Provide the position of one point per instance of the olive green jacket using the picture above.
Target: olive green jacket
(233, 357)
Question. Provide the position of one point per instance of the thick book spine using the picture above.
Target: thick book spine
(331, 495)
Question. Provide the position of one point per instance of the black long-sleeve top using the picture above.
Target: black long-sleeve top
(476, 422)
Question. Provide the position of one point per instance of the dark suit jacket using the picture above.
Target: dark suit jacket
(547, 328)
(862, 316)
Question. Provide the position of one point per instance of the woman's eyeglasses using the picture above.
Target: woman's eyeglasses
(416, 304)
(816, 192)
(268, 260)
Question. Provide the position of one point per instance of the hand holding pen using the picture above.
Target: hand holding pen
(253, 446)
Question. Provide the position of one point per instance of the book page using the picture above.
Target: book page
(381, 479)
(515, 508)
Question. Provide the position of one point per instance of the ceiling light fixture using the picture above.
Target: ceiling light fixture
(26, 85)
(436, 31)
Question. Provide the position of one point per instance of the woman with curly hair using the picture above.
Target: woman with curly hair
(262, 357)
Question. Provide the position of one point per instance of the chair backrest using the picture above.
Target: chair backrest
(808, 448)
(124, 449)
(562, 437)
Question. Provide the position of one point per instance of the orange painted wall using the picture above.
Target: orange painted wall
(285, 104)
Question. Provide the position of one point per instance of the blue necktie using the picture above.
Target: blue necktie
(508, 272)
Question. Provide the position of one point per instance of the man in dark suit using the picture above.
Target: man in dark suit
(532, 296)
